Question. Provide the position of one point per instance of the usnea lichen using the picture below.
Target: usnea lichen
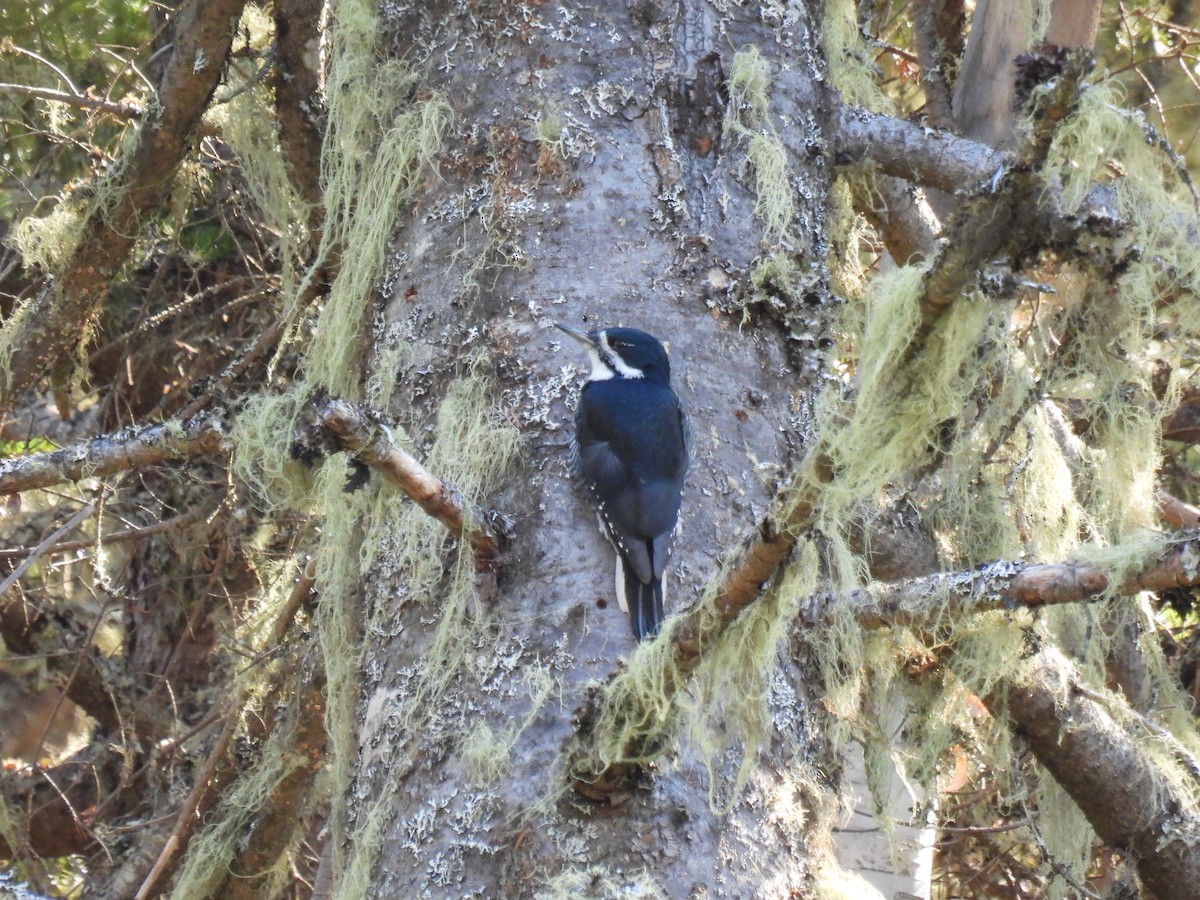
(968, 429)
(380, 143)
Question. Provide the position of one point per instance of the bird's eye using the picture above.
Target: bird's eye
(620, 345)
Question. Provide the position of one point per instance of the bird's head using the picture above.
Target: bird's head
(622, 353)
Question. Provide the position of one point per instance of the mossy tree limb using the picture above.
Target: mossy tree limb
(1123, 793)
(686, 638)
(914, 602)
(994, 221)
(45, 334)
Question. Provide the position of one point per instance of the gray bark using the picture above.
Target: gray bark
(644, 217)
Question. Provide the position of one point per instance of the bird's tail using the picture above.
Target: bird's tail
(643, 602)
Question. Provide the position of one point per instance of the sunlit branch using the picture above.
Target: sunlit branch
(373, 445)
(108, 454)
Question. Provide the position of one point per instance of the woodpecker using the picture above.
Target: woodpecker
(630, 453)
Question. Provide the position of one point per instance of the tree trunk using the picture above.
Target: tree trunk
(590, 177)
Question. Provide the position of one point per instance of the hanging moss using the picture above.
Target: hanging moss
(852, 68)
(970, 429)
(206, 864)
(748, 122)
(718, 710)
(725, 713)
(597, 883)
(380, 144)
(472, 449)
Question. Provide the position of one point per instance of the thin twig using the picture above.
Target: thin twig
(186, 812)
(117, 537)
(36, 553)
(45, 62)
(124, 110)
(234, 370)
(184, 822)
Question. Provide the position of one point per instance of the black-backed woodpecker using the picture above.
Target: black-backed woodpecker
(630, 453)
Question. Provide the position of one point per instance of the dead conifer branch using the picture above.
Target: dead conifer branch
(108, 454)
(906, 150)
(999, 585)
(85, 101)
(115, 537)
(1119, 787)
(373, 445)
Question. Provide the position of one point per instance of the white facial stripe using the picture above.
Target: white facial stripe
(600, 369)
(613, 358)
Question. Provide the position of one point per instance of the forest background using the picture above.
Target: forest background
(297, 600)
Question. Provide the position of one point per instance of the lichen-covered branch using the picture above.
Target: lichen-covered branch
(112, 453)
(48, 331)
(997, 586)
(1125, 795)
(760, 558)
(999, 221)
(924, 156)
(688, 636)
(373, 445)
(913, 602)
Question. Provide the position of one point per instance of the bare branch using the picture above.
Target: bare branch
(234, 370)
(51, 798)
(281, 814)
(1176, 512)
(36, 553)
(205, 786)
(63, 76)
(923, 155)
(373, 445)
(118, 452)
(1183, 424)
(124, 110)
(115, 537)
(934, 61)
(298, 102)
(997, 586)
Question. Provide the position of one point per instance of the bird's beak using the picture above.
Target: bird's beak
(582, 336)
